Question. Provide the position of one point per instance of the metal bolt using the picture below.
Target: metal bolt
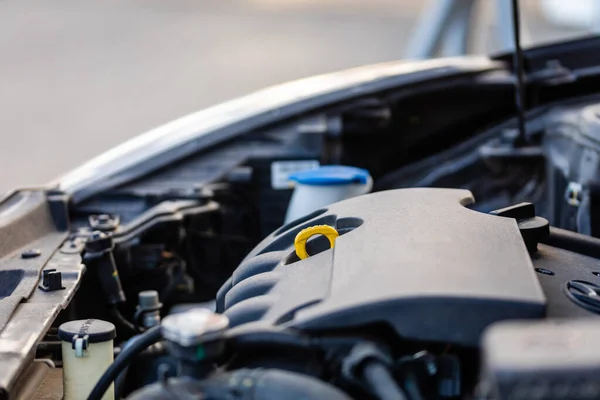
(32, 253)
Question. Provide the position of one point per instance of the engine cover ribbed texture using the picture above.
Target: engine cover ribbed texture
(417, 260)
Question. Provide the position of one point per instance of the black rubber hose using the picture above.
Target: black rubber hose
(145, 340)
(121, 322)
(381, 382)
(120, 383)
(575, 242)
(120, 380)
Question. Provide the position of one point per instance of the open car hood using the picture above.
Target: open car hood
(185, 136)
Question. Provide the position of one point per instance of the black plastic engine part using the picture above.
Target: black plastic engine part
(58, 205)
(51, 280)
(272, 200)
(594, 207)
(91, 330)
(369, 366)
(377, 376)
(533, 229)
(415, 259)
(245, 384)
(449, 376)
(557, 267)
(360, 354)
(426, 375)
(542, 360)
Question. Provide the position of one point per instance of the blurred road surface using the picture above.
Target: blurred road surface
(78, 77)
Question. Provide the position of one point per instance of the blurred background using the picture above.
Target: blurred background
(80, 76)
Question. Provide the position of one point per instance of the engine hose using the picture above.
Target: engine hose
(120, 380)
(121, 322)
(572, 241)
(248, 384)
(143, 341)
(380, 381)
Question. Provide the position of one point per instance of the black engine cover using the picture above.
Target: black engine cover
(415, 259)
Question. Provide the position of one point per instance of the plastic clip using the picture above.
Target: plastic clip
(79, 344)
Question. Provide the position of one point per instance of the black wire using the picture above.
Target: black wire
(143, 341)
(519, 73)
(381, 382)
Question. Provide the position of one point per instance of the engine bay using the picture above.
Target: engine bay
(472, 269)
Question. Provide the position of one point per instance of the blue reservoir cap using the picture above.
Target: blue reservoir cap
(331, 175)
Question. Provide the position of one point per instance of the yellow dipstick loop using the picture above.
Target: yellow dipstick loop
(305, 234)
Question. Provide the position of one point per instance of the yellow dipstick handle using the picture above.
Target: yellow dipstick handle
(305, 234)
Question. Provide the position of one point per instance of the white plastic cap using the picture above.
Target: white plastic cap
(194, 326)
